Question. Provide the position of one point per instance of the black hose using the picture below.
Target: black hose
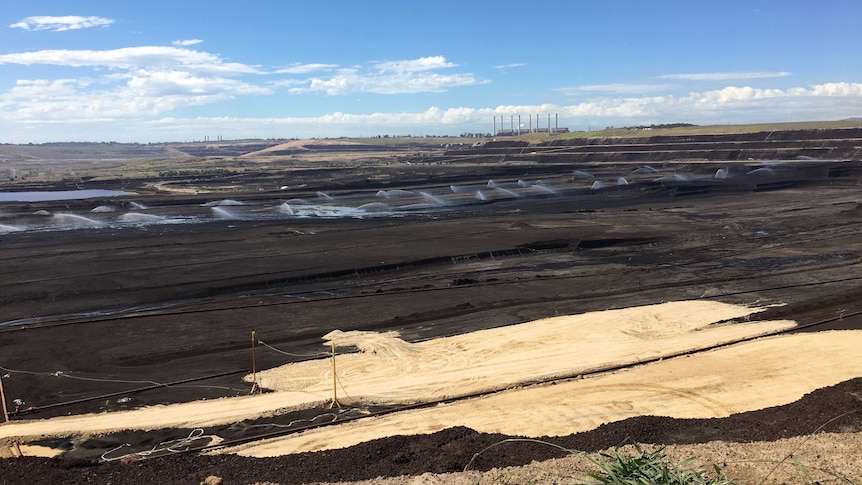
(34, 409)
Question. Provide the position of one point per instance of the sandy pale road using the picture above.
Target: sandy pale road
(747, 376)
(391, 370)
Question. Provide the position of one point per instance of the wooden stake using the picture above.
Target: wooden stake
(253, 364)
(334, 381)
(3, 399)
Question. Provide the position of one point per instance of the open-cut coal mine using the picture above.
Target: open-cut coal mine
(209, 264)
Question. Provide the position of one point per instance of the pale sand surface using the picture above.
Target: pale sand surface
(389, 369)
(392, 370)
(747, 376)
(36, 450)
(186, 415)
(826, 458)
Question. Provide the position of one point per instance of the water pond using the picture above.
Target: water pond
(41, 196)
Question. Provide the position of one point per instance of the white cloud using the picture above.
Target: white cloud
(724, 76)
(305, 68)
(61, 23)
(391, 77)
(505, 67)
(348, 82)
(738, 104)
(837, 89)
(186, 42)
(734, 104)
(131, 57)
(143, 94)
(170, 83)
(140, 82)
(614, 88)
(415, 65)
(130, 94)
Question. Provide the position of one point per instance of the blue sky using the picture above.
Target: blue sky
(182, 70)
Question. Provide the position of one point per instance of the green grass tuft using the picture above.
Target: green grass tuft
(650, 468)
(616, 468)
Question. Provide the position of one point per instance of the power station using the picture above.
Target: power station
(515, 130)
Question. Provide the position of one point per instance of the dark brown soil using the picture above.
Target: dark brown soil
(452, 449)
(115, 318)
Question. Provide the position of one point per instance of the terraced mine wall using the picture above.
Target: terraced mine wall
(778, 145)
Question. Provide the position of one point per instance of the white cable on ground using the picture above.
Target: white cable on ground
(318, 354)
(105, 454)
(169, 446)
(63, 374)
(204, 386)
(60, 373)
(290, 424)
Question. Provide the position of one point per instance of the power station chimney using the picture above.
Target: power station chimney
(519, 125)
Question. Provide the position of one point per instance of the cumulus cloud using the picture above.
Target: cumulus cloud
(415, 65)
(186, 42)
(132, 95)
(702, 106)
(737, 104)
(836, 89)
(123, 83)
(136, 90)
(138, 83)
(61, 23)
(724, 76)
(390, 77)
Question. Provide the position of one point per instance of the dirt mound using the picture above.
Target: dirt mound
(299, 146)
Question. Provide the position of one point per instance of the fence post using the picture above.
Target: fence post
(253, 364)
(334, 381)
(3, 399)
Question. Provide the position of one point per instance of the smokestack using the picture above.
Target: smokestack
(519, 125)
(531, 123)
(494, 133)
(512, 123)
(556, 121)
(549, 123)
